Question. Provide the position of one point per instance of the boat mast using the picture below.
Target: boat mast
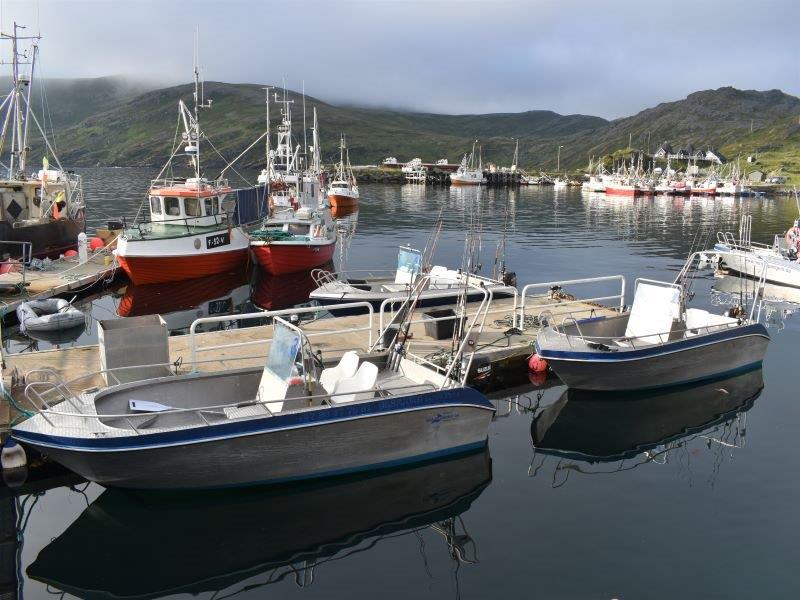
(19, 132)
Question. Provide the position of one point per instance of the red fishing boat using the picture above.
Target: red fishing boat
(189, 232)
(298, 243)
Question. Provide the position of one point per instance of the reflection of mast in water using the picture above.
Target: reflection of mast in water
(345, 230)
(597, 433)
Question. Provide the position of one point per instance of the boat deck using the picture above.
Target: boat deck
(500, 344)
(60, 277)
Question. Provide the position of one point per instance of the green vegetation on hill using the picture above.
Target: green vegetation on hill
(108, 122)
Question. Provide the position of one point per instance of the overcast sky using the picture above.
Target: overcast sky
(609, 58)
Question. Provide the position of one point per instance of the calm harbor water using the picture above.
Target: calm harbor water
(689, 494)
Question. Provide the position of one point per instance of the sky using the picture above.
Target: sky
(611, 58)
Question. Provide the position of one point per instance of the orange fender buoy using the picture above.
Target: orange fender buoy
(96, 243)
(71, 253)
(536, 364)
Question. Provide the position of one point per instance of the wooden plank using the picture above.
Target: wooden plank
(62, 277)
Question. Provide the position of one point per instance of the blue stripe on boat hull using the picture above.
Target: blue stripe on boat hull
(318, 449)
(667, 365)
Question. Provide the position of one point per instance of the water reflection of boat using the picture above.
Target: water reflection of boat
(340, 212)
(139, 545)
(599, 427)
(181, 302)
(273, 292)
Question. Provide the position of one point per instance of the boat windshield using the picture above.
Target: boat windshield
(283, 351)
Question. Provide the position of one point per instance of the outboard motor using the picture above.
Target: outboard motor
(509, 278)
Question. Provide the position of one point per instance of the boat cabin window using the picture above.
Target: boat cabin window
(193, 207)
(172, 206)
(155, 205)
(212, 205)
(340, 185)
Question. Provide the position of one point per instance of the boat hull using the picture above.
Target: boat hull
(780, 271)
(48, 239)
(342, 201)
(274, 449)
(279, 259)
(144, 270)
(628, 191)
(651, 367)
(166, 259)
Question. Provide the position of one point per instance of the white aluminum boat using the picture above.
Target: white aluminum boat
(658, 343)
(290, 420)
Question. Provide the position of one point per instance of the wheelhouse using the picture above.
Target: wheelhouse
(187, 205)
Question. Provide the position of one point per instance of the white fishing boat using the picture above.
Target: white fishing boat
(470, 171)
(343, 190)
(414, 171)
(292, 179)
(748, 258)
(41, 213)
(295, 418)
(377, 286)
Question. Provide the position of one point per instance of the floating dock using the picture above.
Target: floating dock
(57, 277)
(501, 349)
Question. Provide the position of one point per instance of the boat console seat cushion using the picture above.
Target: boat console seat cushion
(697, 318)
(395, 287)
(442, 278)
(363, 382)
(654, 310)
(347, 367)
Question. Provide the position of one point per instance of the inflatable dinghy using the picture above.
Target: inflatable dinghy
(53, 314)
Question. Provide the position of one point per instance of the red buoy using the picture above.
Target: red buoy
(95, 243)
(71, 253)
(537, 364)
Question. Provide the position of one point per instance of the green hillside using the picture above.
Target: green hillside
(107, 122)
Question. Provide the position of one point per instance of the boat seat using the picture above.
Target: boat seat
(364, 379)
(697, 319)
(347, 367)
(654, 311)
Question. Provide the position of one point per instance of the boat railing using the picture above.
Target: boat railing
(22, 263)
(728, 239)
(553, 285)
(613, 342)
(50, 409)
(190, 224)
(323, 276)
(370, 313)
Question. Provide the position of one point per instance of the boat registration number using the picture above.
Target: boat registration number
(220, 307)
(217, 240)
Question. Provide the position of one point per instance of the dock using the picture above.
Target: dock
(56, 277)
(501, 349)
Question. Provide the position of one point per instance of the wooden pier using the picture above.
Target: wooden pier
(502, 348)
(57, 277)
